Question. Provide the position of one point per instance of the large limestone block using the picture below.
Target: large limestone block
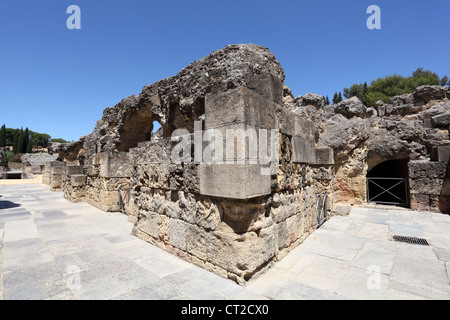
(243, 254)
(441, 154)
(59, 170)
(324, 156)
(240, 105)
(293, 124)
(178, 234)
(235, 181)
(427, 169)
(113, 165)
(267, 85)
(77, 180)
(239, 143)
(70, 170)
(303, 150)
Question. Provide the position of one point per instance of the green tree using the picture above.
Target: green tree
(392, 85)
(355, 90)
(335, 98)
(16, 141)
(445, 81)
(58, 140)
(26, 139)
(21, 141)
(340, 97)
(3, 136)
(29, 147)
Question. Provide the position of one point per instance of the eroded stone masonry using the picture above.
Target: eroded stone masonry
(230, 218)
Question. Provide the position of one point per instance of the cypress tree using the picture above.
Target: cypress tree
(26, 139)
(21, 141)
(340, 97)
(16, 141)
(29, 147)
(3, 136)
(335, 98)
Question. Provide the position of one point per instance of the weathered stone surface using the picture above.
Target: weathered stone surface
(341, 210)
(350, 108)
(325, 156)
(70, 170)
(303, 151)
(69, 152)
(267, 85)
(427, 169)
(3, 160)
(37, 159)
(235, 181)
(113, 165)
(77, 180)
(441, 154)
(312, 99)
(428, 93)
(441, 121)
(240, 105)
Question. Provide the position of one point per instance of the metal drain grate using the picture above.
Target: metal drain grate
(411, 240)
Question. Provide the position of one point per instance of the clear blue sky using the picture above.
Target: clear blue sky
(58, 81)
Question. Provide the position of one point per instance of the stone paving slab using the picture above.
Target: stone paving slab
(57, 250)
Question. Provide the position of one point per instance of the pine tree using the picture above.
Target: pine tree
(3, 136)
(327, 100)
(340, 97)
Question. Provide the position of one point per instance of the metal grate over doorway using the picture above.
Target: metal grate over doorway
(391, 191)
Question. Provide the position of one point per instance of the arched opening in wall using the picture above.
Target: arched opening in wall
(157, 131)
(388, 183)
(138, 126)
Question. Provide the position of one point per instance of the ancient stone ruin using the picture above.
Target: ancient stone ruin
(235, 215)
(3, 160)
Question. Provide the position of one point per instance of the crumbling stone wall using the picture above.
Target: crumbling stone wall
(409, 127)
(227, 216)
(3, 160)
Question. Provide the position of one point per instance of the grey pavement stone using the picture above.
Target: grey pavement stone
(161, 290)
(420, 275)
(197, 289)
(102, 288)
(374, 255)
(137, 278)
(247, 295)
(405, 230)
(286, 290)
(160, 267)
(442, 254)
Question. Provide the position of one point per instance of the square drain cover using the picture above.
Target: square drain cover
(411, 240)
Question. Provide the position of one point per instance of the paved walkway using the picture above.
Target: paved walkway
(54, 249)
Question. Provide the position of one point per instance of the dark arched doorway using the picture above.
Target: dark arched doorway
(387, 183)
